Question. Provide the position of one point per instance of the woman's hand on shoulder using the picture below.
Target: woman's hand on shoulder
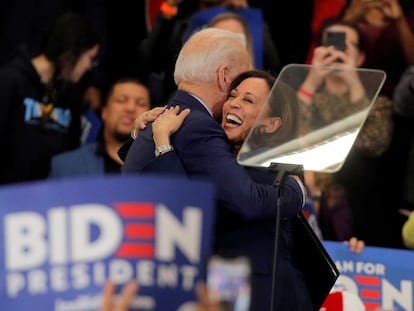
(167, 124)
(170, 120)
(144, 118)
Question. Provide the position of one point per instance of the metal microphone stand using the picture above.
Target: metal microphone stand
(282, 170)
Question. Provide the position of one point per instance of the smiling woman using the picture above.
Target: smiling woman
(246, 98)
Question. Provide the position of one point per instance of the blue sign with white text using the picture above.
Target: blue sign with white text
(61, 240)
(383, 278)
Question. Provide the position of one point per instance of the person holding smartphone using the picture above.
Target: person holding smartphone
(349, 200)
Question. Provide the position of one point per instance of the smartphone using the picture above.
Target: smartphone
(336, 39)
(228, 282)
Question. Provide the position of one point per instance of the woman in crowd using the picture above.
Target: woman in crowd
(40, 100)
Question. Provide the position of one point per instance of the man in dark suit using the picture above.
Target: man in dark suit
(125, 99)
(205, 67)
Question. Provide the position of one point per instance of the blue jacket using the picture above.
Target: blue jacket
(79, 162)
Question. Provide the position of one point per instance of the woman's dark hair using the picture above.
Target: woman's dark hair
(71, 35)
(282, 103)
(270, 79)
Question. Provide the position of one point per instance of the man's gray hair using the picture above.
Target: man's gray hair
(205, 51)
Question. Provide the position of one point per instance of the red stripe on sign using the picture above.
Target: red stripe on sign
(139, 231)
(370, 294)
(372, 306)
(135, 210)
(368, 280)
(135, 250)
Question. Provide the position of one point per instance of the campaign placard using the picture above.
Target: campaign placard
(61, 240)
(382, 277)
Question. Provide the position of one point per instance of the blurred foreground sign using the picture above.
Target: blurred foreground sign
(382, 277)
(61, 240)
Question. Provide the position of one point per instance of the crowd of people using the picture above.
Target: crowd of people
(180, 79)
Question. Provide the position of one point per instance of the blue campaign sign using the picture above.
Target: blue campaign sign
(61, 240)
(383, 278)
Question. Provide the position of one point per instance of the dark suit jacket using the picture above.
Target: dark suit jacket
(255, 239)
(246, 202)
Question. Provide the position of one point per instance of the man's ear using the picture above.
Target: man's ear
(223, 80)
(271, 125)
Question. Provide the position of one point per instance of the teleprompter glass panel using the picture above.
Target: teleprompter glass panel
(315, 129)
